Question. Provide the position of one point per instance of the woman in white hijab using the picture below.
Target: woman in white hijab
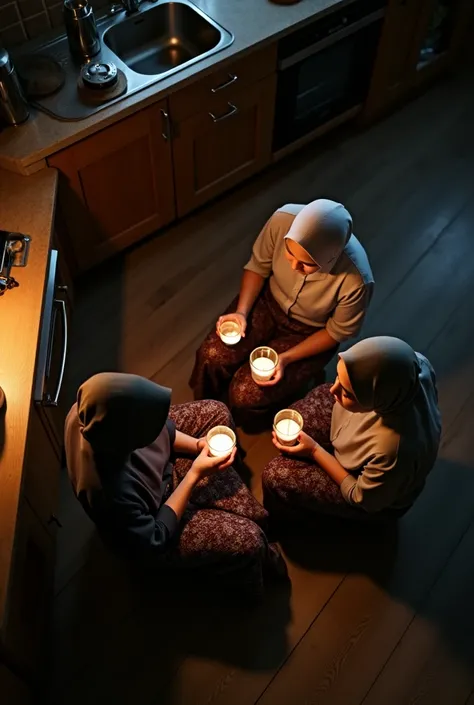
(370, 439)
(304, 291)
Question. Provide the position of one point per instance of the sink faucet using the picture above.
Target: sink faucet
(130, 5)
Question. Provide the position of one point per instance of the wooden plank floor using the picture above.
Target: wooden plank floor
(372, 619)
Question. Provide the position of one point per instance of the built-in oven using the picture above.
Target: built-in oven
(52, 352)
(324, 69)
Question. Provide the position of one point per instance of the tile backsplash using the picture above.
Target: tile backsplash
(21, 20)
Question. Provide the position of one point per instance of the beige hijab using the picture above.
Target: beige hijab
(115, 414)
(323, 228)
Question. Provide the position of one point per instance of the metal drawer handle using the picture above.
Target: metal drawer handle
(49, 400)
(232, 79)
(166, 125)
(233, 110)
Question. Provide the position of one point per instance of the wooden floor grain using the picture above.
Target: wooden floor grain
(369, 619)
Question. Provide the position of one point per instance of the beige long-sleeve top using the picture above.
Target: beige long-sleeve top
(389, 459)
(335, 300)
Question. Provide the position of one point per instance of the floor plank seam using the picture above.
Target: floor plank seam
(285, 661)
(416, 613)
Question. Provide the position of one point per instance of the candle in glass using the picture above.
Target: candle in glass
(263, 362)
(230, 332)
(287, 425)
(221, 441)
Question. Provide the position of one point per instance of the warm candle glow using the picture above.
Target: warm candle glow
(221, 441)
(287, 429)
(287, 425)
(229, 332)
(263, 362)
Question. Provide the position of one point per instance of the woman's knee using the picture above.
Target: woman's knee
(244, 393)
(210, 350)
(273, 476)
(217, 413)
(251, 540)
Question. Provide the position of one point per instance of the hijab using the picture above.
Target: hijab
(384, 374)
(119, 413)
(115, 414)
(400, 430)
(323, 228)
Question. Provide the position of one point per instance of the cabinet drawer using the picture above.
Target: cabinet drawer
(208, 93)
(214, 151)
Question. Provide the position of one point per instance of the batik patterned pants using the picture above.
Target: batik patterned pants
(220, 369)
(298, 489)
(221, 533)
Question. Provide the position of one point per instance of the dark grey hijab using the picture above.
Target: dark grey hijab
(384, 374)
(120, 413)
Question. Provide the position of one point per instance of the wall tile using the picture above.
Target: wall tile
(14, 35)
(21, 20)
(56, 15)
(28, 8)
(8, 15)
(37, 25)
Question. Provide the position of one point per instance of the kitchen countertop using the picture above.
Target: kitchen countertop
(27, 206)
(254, 23)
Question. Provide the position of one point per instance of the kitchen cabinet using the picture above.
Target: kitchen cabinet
(117, 185)
(31, 588)
(222, 128)
(420, 39)
(41, 474)
(29, 461)
(440, 36)
(216, 149)
(12, 689)
(393, 65)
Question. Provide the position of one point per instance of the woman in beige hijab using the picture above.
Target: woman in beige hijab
(304, 290)
(369, 440)
(143, 474)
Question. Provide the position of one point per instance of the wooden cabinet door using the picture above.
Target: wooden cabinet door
(29, 595)
(392, 73)
(41, 474)
(214, 150)
(117, 185)
(441, 32)
(12, 690)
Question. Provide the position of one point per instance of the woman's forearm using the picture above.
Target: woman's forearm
(179, 500)
(250, 287)
(185, 444)
(315, 344)
(329, 464)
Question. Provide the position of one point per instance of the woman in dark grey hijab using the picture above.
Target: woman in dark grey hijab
(369, 453)
(143, 474)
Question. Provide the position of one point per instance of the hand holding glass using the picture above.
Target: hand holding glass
(263, 362)
(221, 441)
(288, 425)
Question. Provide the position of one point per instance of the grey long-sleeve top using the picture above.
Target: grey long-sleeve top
(389, 458)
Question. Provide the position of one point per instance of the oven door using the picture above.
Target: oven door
(323, 81)
(52, 354)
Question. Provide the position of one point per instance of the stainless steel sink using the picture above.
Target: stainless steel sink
(163, 39)
(147, 46)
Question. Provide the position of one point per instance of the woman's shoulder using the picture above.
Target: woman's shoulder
(354, 266)
(282, 219)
